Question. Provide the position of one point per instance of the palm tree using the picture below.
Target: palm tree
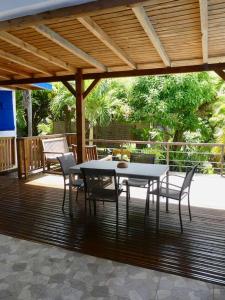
(62, 105)
(102, 105)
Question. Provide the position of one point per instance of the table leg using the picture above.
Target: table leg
(167, 187)
(70, 196)
(157, 207)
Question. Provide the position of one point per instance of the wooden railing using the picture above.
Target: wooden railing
(29, 152)
(7, 153)
(178, 155)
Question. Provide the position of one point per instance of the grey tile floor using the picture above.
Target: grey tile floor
(39, 272)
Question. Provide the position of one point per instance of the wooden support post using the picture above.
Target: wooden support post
(80, 117)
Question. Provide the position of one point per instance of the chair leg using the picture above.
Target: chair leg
(127, 202)
(181, 225)
(189, 207)
(77, 194)
(94, 208)
(147, 202)
(89, 202)
(64, 198)
(167, 204)
(153, 198)
(117, 213)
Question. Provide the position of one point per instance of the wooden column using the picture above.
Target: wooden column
(80, 117)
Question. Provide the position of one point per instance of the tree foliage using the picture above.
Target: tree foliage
(173, 104)
(175, 107)
(40, 107)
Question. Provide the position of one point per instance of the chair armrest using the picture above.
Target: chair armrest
(170, 184)
(172, 175)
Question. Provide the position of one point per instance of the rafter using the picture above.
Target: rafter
(62, 42)
(18, 60)
(204, 28)
(13, 71)
(13, 40)
(143, 19)
(94, 28)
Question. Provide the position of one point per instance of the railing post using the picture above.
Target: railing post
(25, 157)
(222, 160)
(19, 146)
(168, 154)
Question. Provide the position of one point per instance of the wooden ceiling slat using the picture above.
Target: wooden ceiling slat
(61, 41)
(176, 24)
(11, 39)
(106, 39)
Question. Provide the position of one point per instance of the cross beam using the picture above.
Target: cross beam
(117, 74)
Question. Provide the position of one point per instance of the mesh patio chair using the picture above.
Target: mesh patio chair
(136, 182)
(66, 162)
(176, 192)
(101, 185)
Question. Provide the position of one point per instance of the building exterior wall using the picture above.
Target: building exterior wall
(11, 133)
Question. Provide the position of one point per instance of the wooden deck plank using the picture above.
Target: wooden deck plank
(33, 213)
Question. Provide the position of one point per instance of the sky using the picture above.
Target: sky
(17, 8)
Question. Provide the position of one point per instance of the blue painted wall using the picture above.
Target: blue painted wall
(6, 111)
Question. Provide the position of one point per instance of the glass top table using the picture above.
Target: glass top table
(134, 170)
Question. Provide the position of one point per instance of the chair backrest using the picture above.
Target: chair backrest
(90, 152)
(66, 162)
(188, 179)
(144, 158)
(97, 183)
(58, 145)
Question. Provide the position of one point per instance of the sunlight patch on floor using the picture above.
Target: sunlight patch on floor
(49, 180)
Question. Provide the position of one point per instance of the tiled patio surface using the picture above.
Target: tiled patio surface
(31, 271)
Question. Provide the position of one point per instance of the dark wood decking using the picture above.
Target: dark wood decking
(34, 213)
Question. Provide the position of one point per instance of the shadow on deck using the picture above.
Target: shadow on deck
(32, 211)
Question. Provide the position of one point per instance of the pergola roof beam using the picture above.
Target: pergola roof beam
(117, 74)
(11, 39)
(204, 28)
(94, 28)
(143, 19)
(18, 60)
(62, 42)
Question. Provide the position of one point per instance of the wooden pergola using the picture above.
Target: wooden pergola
(106, 39)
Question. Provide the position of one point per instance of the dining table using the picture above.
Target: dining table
(133, 170)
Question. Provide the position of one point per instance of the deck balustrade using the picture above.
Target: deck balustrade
(179, 156)
(7, 153)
